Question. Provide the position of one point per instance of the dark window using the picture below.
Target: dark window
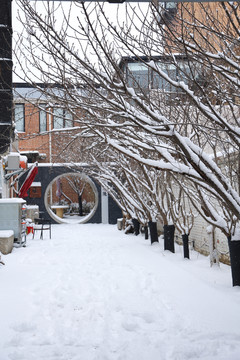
(19, 117)
(42, 118)
(62, 118)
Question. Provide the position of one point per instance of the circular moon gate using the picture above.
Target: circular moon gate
(78, 183)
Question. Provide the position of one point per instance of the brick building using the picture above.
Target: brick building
(40, 126)
(42, 135)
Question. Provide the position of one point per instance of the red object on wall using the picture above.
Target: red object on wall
(28, 181)
(29, 230)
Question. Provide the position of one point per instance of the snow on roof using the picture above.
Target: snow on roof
(12, 201)
(29, 152)
(32, 206)
(63, 164)
(6, 233)
(36, 183)
(22, 91)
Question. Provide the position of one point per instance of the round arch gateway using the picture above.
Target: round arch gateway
(48, 173)
(71, 198)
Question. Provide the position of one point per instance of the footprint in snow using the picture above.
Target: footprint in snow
(16, 356)
(147, 317)
(129, 326)
(24, 327)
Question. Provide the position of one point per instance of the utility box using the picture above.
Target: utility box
(12, 217)
(13, 161)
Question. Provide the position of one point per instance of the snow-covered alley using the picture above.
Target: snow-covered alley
(92, 292)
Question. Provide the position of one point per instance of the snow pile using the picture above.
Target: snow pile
(94, 293)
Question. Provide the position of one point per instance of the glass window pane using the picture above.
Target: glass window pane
(19, 117)
(184, 71)
(159, 82)
(68, 119)
(170, 5)
(58, 118)
(42, 118)
(138, 75)
(137, 67)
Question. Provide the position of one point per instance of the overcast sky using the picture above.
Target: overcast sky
(110, 9)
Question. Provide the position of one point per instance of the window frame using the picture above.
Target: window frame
(41, 111)
(135, 78)
(63, 116)
(176, 72)
(22, 130)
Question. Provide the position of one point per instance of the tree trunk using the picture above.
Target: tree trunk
(169, 237)
(234, 250)
(153, 231)
(80, 212)
(136, 226)
(185, 246)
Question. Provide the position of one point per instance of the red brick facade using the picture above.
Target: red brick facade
(49, 143)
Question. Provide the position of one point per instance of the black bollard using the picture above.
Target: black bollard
(185, 246)
(136, 226)
(234, 250)
(153, 231)
(169, 237)
(146, 232)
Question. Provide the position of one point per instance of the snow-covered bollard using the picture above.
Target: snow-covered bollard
(214, 258)
(6, 241)
(129, 227)
(119, 224)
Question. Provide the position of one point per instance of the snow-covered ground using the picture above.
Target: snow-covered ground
(93, 293)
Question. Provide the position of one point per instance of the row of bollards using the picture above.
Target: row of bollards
(168, 236)
(234, 246)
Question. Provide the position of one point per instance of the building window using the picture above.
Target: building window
(137, 75)
(19, 117)
(62, 118)
(68, 119)
(159, 82)
(169, 12)
(170, 5)
(42, 118)
(140, 76)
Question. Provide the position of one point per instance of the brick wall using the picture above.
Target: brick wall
(87, 194)
(31, 139)
(53, 145)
